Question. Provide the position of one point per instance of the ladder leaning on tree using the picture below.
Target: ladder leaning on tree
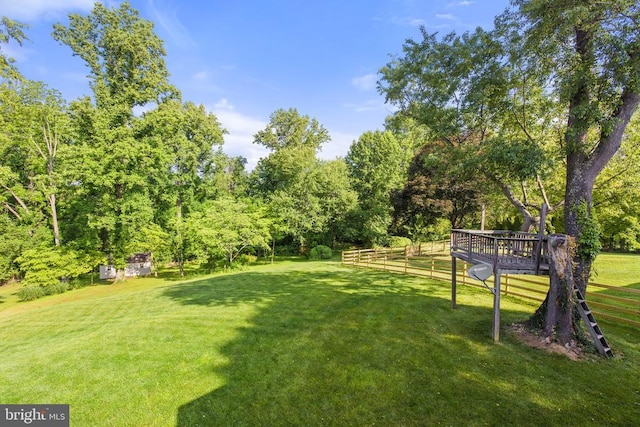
(592, 326)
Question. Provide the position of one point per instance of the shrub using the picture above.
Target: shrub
(45, 265)
(57, 288)
(321, 252)
(31, 292)
(398, 242)
(246, 259)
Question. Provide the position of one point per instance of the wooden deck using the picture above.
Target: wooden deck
(506, 251)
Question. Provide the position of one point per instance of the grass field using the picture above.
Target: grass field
(301, 343)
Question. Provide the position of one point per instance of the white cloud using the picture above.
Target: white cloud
(408, 20)
(240, 128)
(169, 22)
(338, 146)
(30, 10)
(446, 16)
(12, 50)
(201, 76)
(365, 82)
(370, 105)
(203, 81)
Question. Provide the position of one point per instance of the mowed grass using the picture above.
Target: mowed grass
(617, 269)
(301, 343)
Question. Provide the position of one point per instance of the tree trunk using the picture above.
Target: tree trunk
(578, 196)
(273, 249)
(555, 316)
(54, 219)
(179, 243)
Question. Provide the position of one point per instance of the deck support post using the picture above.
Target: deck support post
(496, 306)
(453, 283)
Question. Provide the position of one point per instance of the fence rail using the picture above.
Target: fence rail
(432, 260)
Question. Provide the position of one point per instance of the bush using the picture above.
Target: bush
(398, 242)
(321, 252)
(57, 288)
(45, 265)
(31, 292)
(246, 259)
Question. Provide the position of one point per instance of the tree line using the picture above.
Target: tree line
(489, 126)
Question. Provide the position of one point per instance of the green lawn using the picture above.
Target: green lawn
(617, 269)
(301, 343)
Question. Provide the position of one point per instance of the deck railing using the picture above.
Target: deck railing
(506, 250)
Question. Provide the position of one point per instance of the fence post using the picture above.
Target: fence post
(406, 262)
(464, 273)
(506, 284)
(433, 266)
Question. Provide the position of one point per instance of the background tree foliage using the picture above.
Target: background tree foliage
(306, 197)
(535, 111)
(377, 163)
(10, 30)
(491, 115)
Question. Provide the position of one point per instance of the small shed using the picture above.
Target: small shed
(138, 264)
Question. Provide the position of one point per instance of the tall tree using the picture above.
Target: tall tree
(114, 167)
(305, 196)
(436, 188)
(470, 99)
(48, 126)
(189, 140)
(35, 124)
(377, 163)
(124, 56)
(590, 53)
(280, 178)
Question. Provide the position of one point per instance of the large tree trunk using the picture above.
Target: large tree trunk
(555, 316)
(578, 216)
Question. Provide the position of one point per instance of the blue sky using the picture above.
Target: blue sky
(244, 59)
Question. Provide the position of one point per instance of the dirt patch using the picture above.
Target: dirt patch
(572, 350)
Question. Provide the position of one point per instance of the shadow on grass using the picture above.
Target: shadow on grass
(191, 270)
(346, 347)
(633, 285)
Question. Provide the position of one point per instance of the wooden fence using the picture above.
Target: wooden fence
(432, 260)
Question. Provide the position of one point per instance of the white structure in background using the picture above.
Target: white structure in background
(137, 265)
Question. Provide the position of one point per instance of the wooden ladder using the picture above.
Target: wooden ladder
(596, 334)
